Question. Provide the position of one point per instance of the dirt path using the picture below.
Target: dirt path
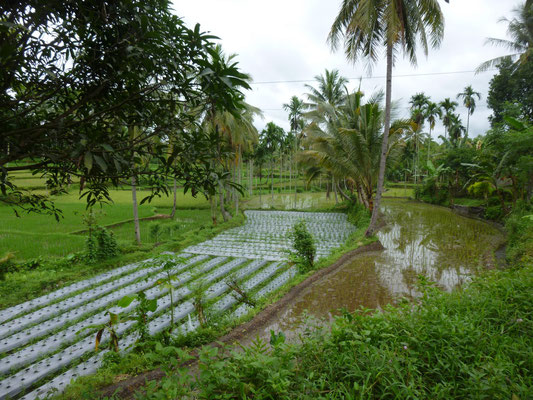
(126, 388)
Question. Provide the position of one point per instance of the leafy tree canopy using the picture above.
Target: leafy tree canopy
(91, 89)
(512, 85)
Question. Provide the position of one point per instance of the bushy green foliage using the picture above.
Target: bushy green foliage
(432, 192)
(482, 189)
(304, 247)
(5, 264)
(100, 245)
(494, 213)
(519, 227)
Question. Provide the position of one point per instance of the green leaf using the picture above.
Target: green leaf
(514, 123)
(101, 163)
(88, 161)
(113, 318)
(126, 300)
(151, 305)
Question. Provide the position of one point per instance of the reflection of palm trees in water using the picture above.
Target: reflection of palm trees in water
(425, 240)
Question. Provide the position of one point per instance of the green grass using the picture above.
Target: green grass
(399, 192)
(475, 343)
(33, 235)
(27, 282)
(304, 201)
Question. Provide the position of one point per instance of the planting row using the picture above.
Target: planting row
(27, 377)
(266, 235)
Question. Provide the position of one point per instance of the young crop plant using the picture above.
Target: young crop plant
(110, 327)
(140, 314)
(239, 293)
(304, 247)
(198, 300)
(169, 263)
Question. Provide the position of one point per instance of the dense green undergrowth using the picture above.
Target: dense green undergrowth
(471, 343)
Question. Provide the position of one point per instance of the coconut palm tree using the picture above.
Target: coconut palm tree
(331, 89)
(520, 30)
(449, 107)
(398, 25)
(469, 101)
(295, 108)
(418, 104)
(346, 141)
(432, 111)
(233, 128)
(456, 128)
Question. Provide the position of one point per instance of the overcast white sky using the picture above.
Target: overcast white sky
(285, 40)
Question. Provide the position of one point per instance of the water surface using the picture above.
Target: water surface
(419, 239)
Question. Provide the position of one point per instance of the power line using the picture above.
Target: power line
(478, 107)
(372, 77)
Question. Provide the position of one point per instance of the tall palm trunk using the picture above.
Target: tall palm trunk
(213, 204)
(290, 173)
(173, 213)
(346, 197)
(250, 177)
(272, 180)
(131, 132)
(334, 189)
(467, 120)
(384, 145)
(225, 215)
(295, 186)
(135, 210)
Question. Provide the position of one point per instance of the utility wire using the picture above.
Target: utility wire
(371, 77)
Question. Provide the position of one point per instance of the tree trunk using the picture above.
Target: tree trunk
(135, 210)
(272, 180)
(281, 170)
(346, 197)
(250, 177)
(384, 145)
(259, 186)
(213, 204)
(225, 214)
(334, 189)
(467, 121)
(290, 174)
(295, 186)
(173, 213)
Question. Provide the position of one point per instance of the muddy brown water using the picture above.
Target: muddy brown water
(419, 239)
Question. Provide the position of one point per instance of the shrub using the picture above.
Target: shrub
(494, 213)
(519, 227)
(6, 264)
(304, 246)
(100, 245)
(155, 231)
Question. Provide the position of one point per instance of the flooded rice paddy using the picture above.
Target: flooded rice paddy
(419, 239)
